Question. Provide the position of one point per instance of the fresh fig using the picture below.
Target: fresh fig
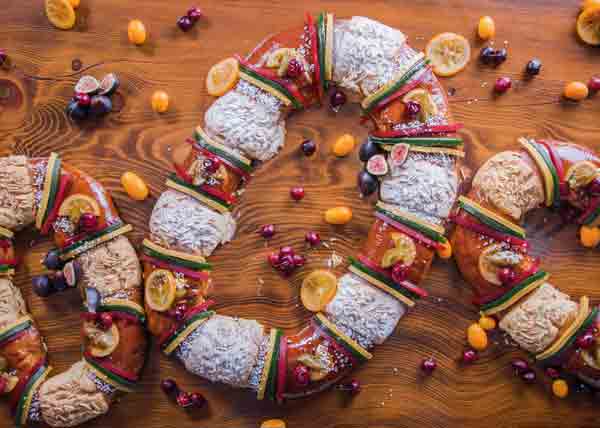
(109, 84)
(367, 150)
(367, 183)
(72, 273)
(398, 155)
(87, 85)
(377, 165)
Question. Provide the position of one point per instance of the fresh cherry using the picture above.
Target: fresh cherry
(273, 259)
(470, 356)
(301, 375)
(267, 231)
(297, 193)
(83, 100)
(194, 13)
(502, 85)
(308, 147)
(428, 365)
(312, 238)
(594, 84)
(287, 250)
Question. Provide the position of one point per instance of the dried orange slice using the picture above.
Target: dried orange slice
(493, 258)
(222, 77)
(424, 99)
(404, 251)
(448, 53)
(581, 174)
(588, 26)
(60, 13)
(161, 288)
(318, 288)
(76, 205)
(102, 342)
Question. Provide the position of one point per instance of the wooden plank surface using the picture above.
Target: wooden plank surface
(395, 395)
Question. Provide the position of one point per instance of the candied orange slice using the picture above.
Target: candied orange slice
(161, 289)
(222, 77)
(102, 342)
(581, 174)
(78, 204)
(60, 13)
(317, 290)
(493, 258)
(404, 251)
(448, 53)
(588, 26)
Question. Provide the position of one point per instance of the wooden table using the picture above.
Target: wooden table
(135, 138)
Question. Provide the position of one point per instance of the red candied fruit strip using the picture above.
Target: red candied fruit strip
(314, 48)
(465, 220)
(555, 158)
(430, 243)
(199, 275)
(18, 390)
(190, 313)
(107, 365)
(490, 297)
(419, 131)
(405, 284)
(400, 92)
(65, 183)
(281, 369)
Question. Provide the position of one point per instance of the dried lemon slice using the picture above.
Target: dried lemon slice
(76, 205)
(318, 288)
(424, 99)
(588, 26)
(102, 342)
(581, 174)
(161, 288)
(495, 257)
(60, 13)
(222, 77)
(404, 251)
(448, 53)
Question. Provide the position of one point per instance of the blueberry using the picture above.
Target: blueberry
(76, 111)
(100, 106)
(52, 260)
(41, 286)
(486, 54)
(533, 67)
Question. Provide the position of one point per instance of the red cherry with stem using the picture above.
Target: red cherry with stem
(267, 231)
(301, 375)
(198, 400)
(273, 259)
(470, 356)
(428, 365)
(295, 69)
(594, 84)
(106, 320)
(586, 341)
(297, 193)
(312, 238)
(194, 13)
(502, 84)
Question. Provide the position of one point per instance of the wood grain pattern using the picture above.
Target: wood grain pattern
(134, 138)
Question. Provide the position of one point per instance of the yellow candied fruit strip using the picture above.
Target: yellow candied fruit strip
(518, 296)
(98, 241)
(167, 252)
(438, 150)
(348, 340)
(105, 378)
(285, 100)
(543, 167)
(492, 215)
(31, 394)
(13, 324)
(176, 186)
(584, 311)
(6, 233)
(39, 217)
(368, 100)
(329, 34)
(382, 286)
(222, 147)
(183, 335)
(262, 386)
(409, 216)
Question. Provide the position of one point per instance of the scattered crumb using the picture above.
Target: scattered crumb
(334, 261)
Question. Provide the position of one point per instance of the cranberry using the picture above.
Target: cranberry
(194, 13)
(412, 110)
(552, 373)
(297, 193)
(586, 341)
(3, 56)
(519, 365)
(529, 376)
(88, 222)
(106, 320)
(594, 84)
(502, 84)
(273, 259)
(287, 263)
(198, 400)
(309, 147)
(594, 187)
(84, 100)
(470, 356)
(295, 69)
(299, 260)
(287, 250)
(399, 272)
(185, 23)
(337, 99)
(352, 387)
(506, 275)
(184, 400)
(312, 238)
(267, 231)
(428, 365)
(169, 386)
(301, 375)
